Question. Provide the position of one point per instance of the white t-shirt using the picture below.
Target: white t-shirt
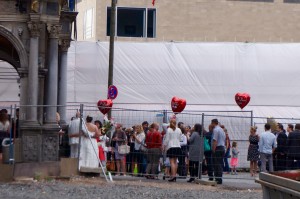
(183, 140)
(74, 129)
(4, 127)
(141, 137)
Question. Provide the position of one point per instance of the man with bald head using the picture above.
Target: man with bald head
(73, 132)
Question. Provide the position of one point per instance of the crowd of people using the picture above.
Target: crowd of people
(177, 148)
(8, 127)
(276, 146)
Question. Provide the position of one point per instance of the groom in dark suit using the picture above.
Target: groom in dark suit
(281, 149)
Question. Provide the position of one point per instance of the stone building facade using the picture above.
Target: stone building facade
(196, 20)
(34, 39)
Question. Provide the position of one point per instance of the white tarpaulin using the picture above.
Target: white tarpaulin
(207, 74)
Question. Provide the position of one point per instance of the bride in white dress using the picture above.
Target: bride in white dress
(88, 154)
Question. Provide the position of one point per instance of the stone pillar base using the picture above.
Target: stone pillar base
(39, 143)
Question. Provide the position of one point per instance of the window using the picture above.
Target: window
(270, 1)
(151, 23)
(291, 1)
(133, 22)
(52, 8)
(88, 24)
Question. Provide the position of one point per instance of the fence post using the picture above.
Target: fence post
(80, 129)
(165, 117)
(10, 160)
(201, 149)
(252, 118)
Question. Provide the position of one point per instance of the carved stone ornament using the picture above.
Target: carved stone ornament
(34, 28)
(35, 5)
(30, 148)
(54, 30)
(50, 148)
(64, 44)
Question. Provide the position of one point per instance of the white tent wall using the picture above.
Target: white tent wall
(207, 75)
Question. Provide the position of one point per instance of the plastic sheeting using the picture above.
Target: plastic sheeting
(9, 87)
(205, 74)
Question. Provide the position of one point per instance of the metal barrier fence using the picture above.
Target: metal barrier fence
(237, 123)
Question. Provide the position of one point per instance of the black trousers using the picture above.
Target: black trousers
(293, 163)
(209, 163)
(281, 162)
(218, 156)
(138, 159)
(182, 170)
(194, 167)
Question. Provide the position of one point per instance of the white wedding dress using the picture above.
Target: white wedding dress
(88, 155)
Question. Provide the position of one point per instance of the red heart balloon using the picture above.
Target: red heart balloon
(104, 105)
(178, 104)
(242, 99)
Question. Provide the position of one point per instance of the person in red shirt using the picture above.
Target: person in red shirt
(153, 143)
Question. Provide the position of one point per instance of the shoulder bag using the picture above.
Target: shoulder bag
(206, 145)
(123, 149)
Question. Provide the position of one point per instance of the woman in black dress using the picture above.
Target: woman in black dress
(253, 153)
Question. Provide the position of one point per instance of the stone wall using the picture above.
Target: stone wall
(8, 7)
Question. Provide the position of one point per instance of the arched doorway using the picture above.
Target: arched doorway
(14, 66)
(9, 77)
(12, 49)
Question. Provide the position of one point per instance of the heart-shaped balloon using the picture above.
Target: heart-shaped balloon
(178, 104)
(242, 99)
(104, 105)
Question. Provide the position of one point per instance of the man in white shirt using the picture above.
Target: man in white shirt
(218, 150)
(267, 145)
(73, 132)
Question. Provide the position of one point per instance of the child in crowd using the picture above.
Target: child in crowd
(234, 158)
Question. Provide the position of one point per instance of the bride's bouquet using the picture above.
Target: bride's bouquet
(107, 126)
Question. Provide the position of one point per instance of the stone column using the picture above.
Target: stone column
(62, 80)
(34, 28)
(23, 72)
(52, 77)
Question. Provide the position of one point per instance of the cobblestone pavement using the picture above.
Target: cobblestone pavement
(128, 187)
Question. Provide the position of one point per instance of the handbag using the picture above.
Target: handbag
(123, 149)
(143, 148)
(110, 164)
(206, 145)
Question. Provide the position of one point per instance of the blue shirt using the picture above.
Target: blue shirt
(219, 136)
(267, 142)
